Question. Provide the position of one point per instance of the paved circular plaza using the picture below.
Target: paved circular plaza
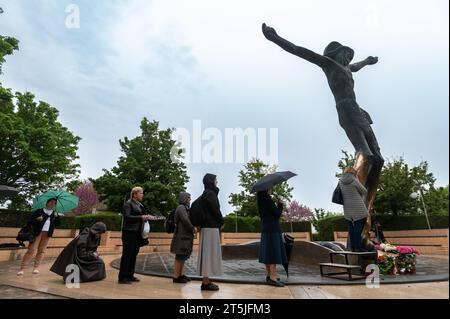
(251, 271)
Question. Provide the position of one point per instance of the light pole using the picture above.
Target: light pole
(415, 195)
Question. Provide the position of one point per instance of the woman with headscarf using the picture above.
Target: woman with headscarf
(82, 252)
(271, 250)
(183, 238)
(210, 252)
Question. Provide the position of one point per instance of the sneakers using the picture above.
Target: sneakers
(186, 277)
(20, 273)
(274, 283)
(210, 287)
(35, 271)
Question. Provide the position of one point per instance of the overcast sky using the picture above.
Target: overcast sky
(180, 61)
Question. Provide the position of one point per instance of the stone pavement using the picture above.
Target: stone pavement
(429, 268)
(47, 284)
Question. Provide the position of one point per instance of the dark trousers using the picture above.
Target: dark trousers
(130, 249)
(355, 230)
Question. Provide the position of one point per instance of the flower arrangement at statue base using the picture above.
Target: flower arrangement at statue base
(394, 260)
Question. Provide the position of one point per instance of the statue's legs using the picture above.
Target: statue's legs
(368, 165)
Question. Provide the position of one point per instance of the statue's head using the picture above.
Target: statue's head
(339, 53)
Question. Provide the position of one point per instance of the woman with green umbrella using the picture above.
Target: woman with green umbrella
(43, 221)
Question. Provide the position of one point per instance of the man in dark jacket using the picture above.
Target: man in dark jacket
(134, 216)
(82, 252)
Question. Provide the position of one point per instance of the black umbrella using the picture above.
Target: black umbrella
(288, 244)
(271, 180)
(7, 191)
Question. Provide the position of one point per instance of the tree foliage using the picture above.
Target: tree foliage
(88, 198)
(146, 162)
(244, 202)
(37, 151)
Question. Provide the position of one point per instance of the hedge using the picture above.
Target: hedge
(253, 225)
(113, 222)
(327, 226)
(19, 219)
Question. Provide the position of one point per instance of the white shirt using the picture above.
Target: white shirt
(46, 226)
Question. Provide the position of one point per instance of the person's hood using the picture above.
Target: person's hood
(347, 178)
(97, 228)
(208, 181)
(183, 198)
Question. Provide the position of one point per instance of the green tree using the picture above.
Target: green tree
(347, 160)
(146, 162)
(436, 200)
(397, 182)
(244, 201)
(36, 151)
(7, 46)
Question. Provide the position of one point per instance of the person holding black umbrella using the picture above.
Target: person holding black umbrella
(272, 250)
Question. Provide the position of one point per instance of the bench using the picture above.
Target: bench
(347, 266)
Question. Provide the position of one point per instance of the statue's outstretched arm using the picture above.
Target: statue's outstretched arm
(355, 67)
(303, 53)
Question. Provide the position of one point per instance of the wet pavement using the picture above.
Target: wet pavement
(429, 269)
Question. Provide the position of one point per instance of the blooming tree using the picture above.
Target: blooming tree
(295, 212)
(88, 198)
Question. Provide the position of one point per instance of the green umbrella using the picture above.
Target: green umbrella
(65, 201)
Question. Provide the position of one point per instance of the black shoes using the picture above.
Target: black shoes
(125, 282)
(179, 280)
(135, 279)
(268, 277)
(274, 283)
(210, 287)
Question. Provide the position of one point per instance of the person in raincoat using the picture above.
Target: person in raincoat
(82, 253)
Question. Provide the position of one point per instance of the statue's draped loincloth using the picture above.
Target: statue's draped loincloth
(351, 115)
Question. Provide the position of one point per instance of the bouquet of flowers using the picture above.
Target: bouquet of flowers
(386, 264)
(396, 259)
(406, 263)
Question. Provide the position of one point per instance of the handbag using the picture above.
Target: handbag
(145, 230)
(337, 196)
(25, 234)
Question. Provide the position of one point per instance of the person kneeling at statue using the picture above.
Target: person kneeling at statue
(82, 253)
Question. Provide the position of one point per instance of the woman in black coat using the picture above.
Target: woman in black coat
(210, 254)
(82, 252)
(271, 250)
(42, 223)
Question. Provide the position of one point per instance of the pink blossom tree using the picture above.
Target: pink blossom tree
(295, 212)
(88, 198)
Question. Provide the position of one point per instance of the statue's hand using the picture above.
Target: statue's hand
(268, 32)
(372, 60)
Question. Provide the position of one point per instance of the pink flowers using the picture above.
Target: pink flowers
(407, 250)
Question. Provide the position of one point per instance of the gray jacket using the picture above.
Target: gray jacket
(353, 193)
(183, 237)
